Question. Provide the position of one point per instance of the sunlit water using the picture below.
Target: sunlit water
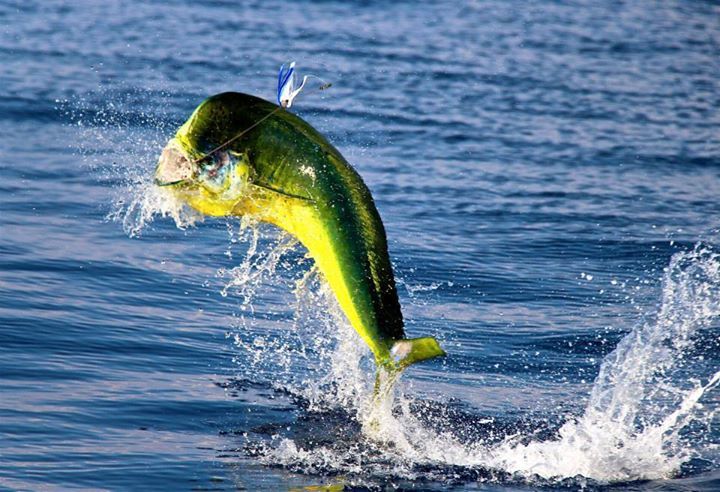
(548, 175)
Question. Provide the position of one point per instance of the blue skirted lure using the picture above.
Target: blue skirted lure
(288, 88)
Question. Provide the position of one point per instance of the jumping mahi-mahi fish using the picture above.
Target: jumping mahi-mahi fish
(241, 155)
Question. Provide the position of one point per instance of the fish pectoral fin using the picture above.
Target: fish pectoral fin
(271, 190)
(411, 350)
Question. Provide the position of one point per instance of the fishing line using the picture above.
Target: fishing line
(221, 146)
(285, 80)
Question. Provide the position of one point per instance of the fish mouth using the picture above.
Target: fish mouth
(174, 167)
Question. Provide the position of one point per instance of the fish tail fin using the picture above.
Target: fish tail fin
(404, 352)
(411, 350)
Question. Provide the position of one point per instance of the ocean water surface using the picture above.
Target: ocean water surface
(548, 174)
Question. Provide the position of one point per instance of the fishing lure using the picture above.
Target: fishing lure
(288, 87)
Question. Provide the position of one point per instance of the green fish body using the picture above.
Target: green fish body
(241, 155)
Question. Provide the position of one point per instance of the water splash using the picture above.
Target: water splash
(120, 144)
(302, 348)
(136, 206)
(643, 420)
(244, 279)
(648, 391)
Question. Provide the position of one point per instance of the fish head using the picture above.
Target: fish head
(212, 183)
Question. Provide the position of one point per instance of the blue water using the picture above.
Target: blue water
(548, 174)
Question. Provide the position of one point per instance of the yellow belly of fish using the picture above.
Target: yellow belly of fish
(300, 219)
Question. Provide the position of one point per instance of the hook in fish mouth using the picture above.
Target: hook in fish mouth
(174, 167)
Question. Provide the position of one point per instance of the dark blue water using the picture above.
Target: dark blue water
(548, 174)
